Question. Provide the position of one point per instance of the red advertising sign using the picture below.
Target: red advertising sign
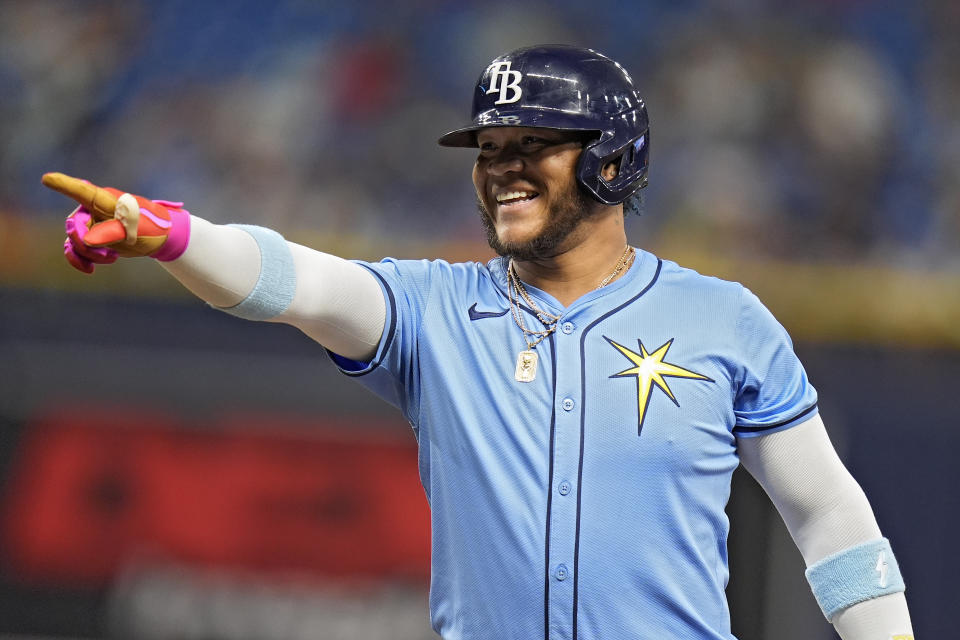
(92, 491)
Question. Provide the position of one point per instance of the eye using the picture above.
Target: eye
(529, 141)
(486, 148)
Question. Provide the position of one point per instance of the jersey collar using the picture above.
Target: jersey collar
(642, 269)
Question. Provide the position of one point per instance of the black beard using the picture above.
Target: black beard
(565, 215)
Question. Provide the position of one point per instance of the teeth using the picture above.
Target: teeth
(513, 195)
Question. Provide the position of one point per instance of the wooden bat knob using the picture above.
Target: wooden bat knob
(99, 202)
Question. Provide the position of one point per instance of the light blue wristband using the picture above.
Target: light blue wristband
(859, 573)
(277, 283)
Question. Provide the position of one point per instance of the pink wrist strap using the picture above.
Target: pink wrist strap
(178, 238)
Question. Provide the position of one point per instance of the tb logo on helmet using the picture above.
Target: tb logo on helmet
(503, 79)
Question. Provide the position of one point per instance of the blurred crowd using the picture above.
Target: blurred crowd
(815, 131)
(820, 130)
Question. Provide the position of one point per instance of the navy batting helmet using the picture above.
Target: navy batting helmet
(568, 88)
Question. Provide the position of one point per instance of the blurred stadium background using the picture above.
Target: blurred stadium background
(170, 472)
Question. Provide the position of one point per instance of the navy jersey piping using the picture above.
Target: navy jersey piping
(583, 413)
(373, 364)
(546, 565)
(764, 427)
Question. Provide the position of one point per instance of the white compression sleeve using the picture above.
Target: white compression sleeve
(824, 508)
(886, 617)
(221, 264)
(336, 302)
(825, 511)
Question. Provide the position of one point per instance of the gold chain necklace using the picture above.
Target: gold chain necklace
(527, 359)
(626, 259)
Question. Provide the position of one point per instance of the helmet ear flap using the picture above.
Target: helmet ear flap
(631, 159)
(635, 157)
(635, 161)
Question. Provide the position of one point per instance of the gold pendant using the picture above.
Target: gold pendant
(526, 366)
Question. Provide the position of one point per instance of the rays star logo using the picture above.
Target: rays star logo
(651, 369)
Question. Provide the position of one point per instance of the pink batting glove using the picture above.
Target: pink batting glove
(110, 223)
(81, 256)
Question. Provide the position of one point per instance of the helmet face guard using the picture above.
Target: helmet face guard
(570, 89)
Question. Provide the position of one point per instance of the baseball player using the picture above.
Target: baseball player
(579, 403)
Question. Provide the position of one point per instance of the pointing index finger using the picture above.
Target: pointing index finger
(99, 202)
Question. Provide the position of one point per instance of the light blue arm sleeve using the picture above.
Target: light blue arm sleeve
(277, 283)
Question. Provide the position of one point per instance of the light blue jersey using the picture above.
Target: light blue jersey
(589, 503)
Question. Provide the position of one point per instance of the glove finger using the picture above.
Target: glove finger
(104, 233)
(76, 261)
(77, 224)
(100, 255)
(100, 202)
(76, 236)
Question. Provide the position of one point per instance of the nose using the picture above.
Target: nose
(504, 163)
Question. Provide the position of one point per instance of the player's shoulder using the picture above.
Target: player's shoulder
(435, 266)
(723, 297)
(693, 282)
(434, 273)
(725, 302)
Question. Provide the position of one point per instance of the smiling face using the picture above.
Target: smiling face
(528, 195)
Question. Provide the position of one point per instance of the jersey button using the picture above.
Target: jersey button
(567, 327)
(564, 488)
(567, 404)
(561, 573)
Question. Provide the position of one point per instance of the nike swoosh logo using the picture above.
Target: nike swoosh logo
(477, 315)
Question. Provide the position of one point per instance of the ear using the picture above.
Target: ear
(610, 171)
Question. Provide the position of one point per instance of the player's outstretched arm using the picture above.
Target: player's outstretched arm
(253, 273)
(849, 564)
(247, 271)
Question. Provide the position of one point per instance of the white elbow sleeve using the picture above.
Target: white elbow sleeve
(827, 515)
(337, 302)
